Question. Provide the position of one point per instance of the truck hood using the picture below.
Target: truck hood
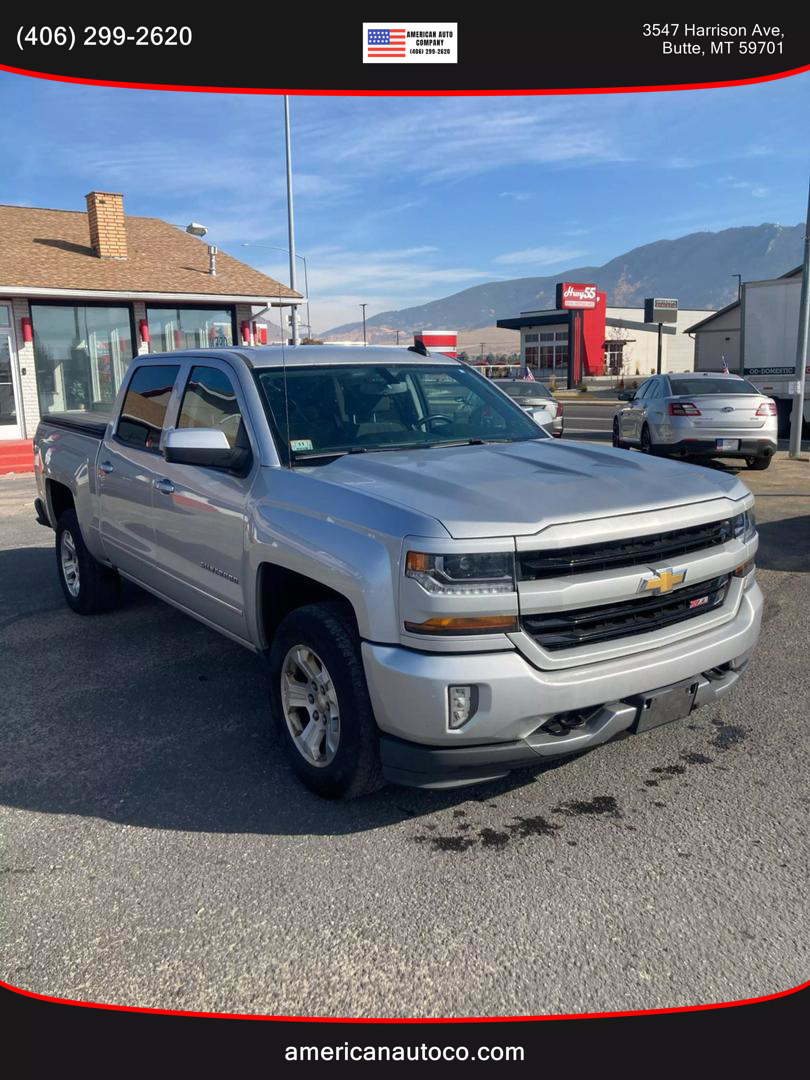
(517, 489)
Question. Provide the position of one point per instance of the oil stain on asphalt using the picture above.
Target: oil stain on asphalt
(725, 736)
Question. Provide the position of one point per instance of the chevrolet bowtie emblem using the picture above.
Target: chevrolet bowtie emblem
(663, 581)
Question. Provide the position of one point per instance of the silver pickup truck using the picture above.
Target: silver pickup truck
(442, 591)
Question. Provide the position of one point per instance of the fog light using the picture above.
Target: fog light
(463, 701)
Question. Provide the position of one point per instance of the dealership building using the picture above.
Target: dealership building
(593, 339)
(82, 292)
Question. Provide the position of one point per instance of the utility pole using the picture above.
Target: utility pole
(801, 346)
(660, 347)
(290, 221)
(398, 332)
(363, 306)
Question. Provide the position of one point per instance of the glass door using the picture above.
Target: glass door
(10, 415)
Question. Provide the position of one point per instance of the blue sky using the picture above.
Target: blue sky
(400, 201)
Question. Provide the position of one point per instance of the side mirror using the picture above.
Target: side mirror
(626, 395)
(204, 446)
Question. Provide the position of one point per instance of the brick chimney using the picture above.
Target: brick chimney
(108, 232)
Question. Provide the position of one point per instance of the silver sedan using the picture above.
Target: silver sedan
(537, 400)
(698, 414)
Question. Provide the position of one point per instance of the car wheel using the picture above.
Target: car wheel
(758, 463)
(89, 587)
(319, 701)
(617, 442)
(646, 441)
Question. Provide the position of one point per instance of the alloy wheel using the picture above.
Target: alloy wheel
(69, 559)
(310, 705)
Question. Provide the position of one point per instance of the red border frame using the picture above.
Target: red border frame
(402, 93)
(400, 1019)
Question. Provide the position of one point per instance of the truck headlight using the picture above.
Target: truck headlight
(479, 574)
(744, 526)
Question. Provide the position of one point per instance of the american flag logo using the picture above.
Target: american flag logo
(385, 44)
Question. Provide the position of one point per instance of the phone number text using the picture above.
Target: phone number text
(66, 37)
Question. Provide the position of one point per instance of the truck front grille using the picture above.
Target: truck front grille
(613, 554)
(641, 615)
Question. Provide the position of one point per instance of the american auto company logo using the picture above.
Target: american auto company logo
(662, 581)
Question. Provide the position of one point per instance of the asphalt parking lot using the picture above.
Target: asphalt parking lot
(157, 850)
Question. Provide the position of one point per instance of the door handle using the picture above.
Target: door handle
(106, 467)
(165, 487)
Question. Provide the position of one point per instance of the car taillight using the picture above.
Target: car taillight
(559, 411)
(767, 408)
(683, 408)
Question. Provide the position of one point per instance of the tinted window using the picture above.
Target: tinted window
(210, 402)
(721, 385)
(354, 408)
(82, 354)
(644, 389)
(144, 407)
(189, 328)
(524, 388)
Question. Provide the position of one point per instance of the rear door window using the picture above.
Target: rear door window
(144, 409)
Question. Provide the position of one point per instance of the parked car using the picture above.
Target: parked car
(441, 590)
(537, 400)
(698, 414)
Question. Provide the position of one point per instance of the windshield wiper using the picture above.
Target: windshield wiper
(321, 454)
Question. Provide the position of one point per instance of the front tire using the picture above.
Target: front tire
(320, 704)
(90, 588)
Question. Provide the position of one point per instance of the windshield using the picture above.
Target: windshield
(721, 385)
(524, 388)
(342, 409)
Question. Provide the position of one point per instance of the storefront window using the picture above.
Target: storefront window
(189, 328)
(81, 354)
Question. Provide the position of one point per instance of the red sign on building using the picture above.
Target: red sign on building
(572, 294)
(440, 341)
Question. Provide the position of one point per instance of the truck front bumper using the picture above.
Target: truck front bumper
(409, 694)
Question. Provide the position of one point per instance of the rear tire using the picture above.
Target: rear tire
(617, 442)
(758, 463)
(646, 441)
(316, 679)
(90, 588)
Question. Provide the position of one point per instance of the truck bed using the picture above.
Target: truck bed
(93, 424)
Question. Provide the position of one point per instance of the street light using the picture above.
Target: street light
(290, 217)
(363, 306)
(273, 247)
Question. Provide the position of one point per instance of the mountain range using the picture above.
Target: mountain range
(698, 269)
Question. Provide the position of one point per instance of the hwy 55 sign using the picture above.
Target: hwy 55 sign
(571, 294)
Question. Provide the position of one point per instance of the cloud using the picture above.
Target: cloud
(539, 256)
(383, 280)
(757, 191)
